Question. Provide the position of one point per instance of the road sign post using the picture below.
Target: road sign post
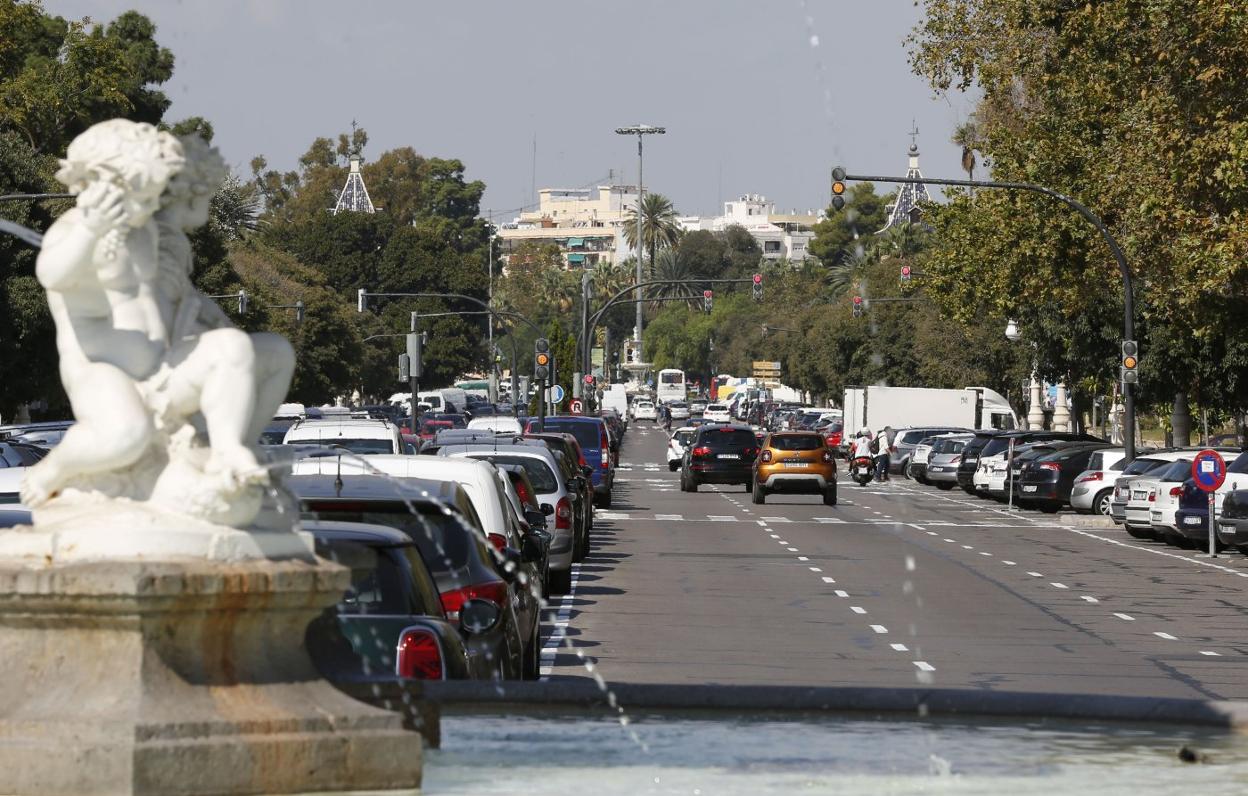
(1209, 473)
(1009, 473)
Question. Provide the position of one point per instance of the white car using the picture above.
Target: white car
(677, 444)
(980, 480)
(358, 435)
(499, 424)
(645, 410)
(1164, 501)
(717, 413)
(1094, 487)
(679, 410)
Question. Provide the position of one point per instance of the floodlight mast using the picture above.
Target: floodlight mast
(641, 131)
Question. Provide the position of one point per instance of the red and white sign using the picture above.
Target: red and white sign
(576, 407)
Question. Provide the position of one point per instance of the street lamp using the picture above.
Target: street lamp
(1035, 411)
(641, 131)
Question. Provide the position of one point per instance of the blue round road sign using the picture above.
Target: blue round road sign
(556, 393)
(1208, 470)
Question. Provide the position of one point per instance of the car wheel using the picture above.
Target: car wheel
(693, 484)
(758, 495)
(560, 581)
(673, 466)
(1100, 505)
(829, 496)
(945, 485)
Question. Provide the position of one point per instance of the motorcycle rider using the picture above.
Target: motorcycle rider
(862, 446)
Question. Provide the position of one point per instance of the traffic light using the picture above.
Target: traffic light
(857, 306)
(541, 358)
(405, 368)
(299, 308)
(838, 187)
(758, 287)
(905, 273)
(706, 300)
(1130, 362)
(243, 301)
(360, 300)
(415, 354)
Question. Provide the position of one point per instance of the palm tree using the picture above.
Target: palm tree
(557, 289)
(849, 265)
(659, 224)
(967, 137)
(667, 266)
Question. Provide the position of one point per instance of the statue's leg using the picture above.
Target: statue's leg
(275, 365)
(112, 431)
(217, 377)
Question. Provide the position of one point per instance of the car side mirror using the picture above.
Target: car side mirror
(531, 549)
(535, 518)
(478, 616)
(548, 509)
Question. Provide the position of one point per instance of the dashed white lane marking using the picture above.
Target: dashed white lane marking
(762, 523)
(879, 629)
(1166, 636)
(774, 535)
(1059, 585)
(781, 541)
(841, 593)
(777, 519)
(1125, 617)
(826, 579)
(953, 541)
(564, 615)
(858, 609)
(1009, 563)
(1088, 599)
(899, 647)
(720, 518)
(967, 547)
(830, 520)
(792, 549)
(916, 527)
(1035, 574)
(924, 666)
(670, 517)
(815, 569)
(802, 558)
(983, 553)
(1211, 653)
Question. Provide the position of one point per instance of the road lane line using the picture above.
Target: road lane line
(1035, 574)
(1125, 617)
(900, 647)
(826, 579)
(1089, 599)
(815, 569)
(841, 593)
(792, 549)
(953, 541)
(1059, 585)
(1166, 636)
(924, 666)
(879, 629)
(916, 527)
(858, 609)
(802, 558)
(1211, 653)
(1009, 563)
(668, 517)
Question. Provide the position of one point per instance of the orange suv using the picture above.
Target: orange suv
(795, 461)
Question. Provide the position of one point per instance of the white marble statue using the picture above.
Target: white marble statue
(168, 395)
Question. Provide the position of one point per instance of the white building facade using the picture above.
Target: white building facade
(586, 224)
(781, 236)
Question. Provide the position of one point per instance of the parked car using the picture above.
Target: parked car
(591, 434)
(907, 439)
(644, 409)
(1194, 504)
(676, 446)
(717, 413)
(1046, 481)
(1233, 521)
(988, 444)
(697, 406)
(390, 625)
(1094, 487)
(572, 459)
(357, 435)
(944, 460)
(719, 454)
(499, 424)
(1164, 503)
(441, 519)
(15, 457)
(568, 542)
(679, 410)
(1123, 484)
(795, 461)
(1137, 513)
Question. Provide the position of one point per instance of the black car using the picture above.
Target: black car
(1046, 481)
(390, 624)
(1233, 520)
(719, 454)
(990, 443)
(438, 516)
(1192, 516)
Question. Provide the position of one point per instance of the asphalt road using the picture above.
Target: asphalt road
(898, 585)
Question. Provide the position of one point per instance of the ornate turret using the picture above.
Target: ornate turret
(906, 209)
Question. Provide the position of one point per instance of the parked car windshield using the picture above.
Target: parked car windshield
(376, 579)
(796, 442)
(589, 435)
(544, 479)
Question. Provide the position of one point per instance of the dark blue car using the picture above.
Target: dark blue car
(591, 433)
(1192, 516)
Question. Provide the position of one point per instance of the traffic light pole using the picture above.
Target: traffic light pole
(1128, 289)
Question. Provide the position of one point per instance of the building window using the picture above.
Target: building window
(771, 246)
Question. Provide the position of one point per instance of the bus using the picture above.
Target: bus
(671, 386)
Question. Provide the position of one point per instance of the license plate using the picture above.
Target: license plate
(729, 456)
(1193, 521)
(1139, 495)
(796, 464)
(1029, 489)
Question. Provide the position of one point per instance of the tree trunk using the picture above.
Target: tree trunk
(1181, 420)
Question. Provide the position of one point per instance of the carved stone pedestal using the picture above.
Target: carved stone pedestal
(191, 677)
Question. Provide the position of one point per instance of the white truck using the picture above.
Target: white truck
(901, 407)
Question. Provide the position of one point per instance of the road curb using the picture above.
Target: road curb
(1088, 521)
(456, 696)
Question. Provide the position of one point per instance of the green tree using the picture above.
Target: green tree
(659, 226)
(846, 232)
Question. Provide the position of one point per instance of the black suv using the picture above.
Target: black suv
(990, 443)
(719, 454)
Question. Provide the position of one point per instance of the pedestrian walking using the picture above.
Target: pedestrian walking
(882, 447)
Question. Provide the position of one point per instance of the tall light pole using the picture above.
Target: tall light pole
(493, 382)
(641, 131)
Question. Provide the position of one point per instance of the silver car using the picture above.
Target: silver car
(907, 439)
(1094, 487)
(676, 446)
(943, 461)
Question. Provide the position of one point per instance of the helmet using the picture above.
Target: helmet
(864, 432)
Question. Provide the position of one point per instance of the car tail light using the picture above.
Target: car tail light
(1176, 491)
(750, 453)
(701, 450)
(1152, 495)
(766, 457)
(498, 540)
(1094, 476)
(563, 514)
(605, 444)
(419, 655)
(494, 591)
(1054, 466)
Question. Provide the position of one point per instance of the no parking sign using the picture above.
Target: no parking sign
(1209, 473)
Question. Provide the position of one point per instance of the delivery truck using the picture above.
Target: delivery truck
(902, 407)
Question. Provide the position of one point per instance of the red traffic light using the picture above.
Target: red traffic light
(758, 279)
(905, 270)
(858, 299)
(589, 379)
(706, 294)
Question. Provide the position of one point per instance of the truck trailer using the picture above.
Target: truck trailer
(902, 407)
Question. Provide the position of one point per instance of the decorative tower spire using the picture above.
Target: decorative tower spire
(354, 195)
(906, 209)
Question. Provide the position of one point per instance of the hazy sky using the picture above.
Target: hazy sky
(758, 96)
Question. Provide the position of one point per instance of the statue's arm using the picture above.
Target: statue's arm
(66, 254)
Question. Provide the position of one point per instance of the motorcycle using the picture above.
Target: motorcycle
(862, 470)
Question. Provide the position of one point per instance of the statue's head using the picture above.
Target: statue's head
(134, 157)
(191, 189)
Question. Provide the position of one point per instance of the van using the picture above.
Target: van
(358, 435)
(615, 397)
